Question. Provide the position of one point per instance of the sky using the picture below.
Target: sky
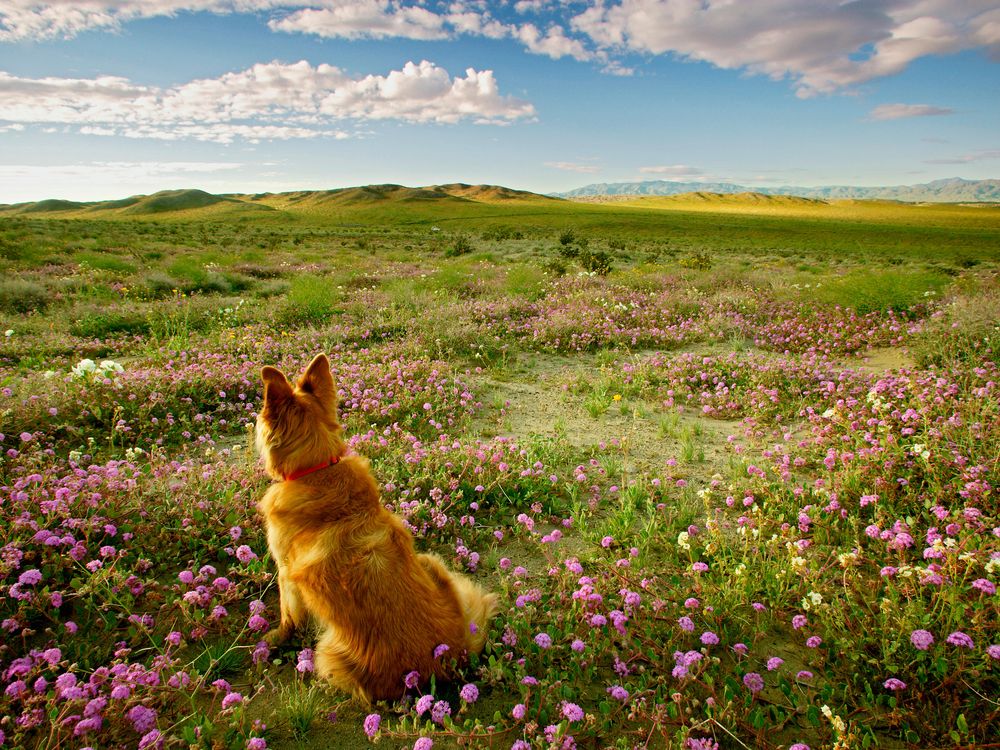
(104, 99)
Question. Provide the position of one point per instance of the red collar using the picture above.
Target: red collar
(302, 472)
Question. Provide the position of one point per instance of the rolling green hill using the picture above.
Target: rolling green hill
(692, 222)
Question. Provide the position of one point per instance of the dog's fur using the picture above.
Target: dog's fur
(348, 562)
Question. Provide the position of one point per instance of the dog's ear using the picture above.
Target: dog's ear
(277, 389)
(317, 379)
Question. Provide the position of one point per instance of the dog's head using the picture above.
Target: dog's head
(297, 426)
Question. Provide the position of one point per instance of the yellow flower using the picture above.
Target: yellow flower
(618, 397)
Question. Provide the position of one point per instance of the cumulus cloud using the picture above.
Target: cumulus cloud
(821, 46)
(818, 45)
(568, 166)
(899, 111)
(364, 19)
(269, 101)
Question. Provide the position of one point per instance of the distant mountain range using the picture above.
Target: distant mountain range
(954, 190)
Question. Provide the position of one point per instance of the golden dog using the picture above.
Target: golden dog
(383, 610)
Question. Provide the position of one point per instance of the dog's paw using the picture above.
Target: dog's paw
(277, 636)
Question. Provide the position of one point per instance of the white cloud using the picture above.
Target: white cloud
(821, 46)
(568, 166)
(270, 101)
(364, 19)
(899, 111)
(553, 43)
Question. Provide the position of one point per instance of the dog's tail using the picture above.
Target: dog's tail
(479, 607)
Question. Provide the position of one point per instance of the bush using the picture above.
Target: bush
(103, 324)
(699, 261)
(881, 291)
(20, 296)
(462, 246)
(311, 300)
(502, 232)
(598, 262)
(567, 238)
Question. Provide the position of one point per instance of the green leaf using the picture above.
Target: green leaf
(812, 713)
(963, 727)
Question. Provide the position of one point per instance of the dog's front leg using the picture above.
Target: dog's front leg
(293, 611)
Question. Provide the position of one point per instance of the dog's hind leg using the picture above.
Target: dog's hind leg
(333, 664)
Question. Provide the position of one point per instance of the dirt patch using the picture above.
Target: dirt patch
(884, 360)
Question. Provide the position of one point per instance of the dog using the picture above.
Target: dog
(383, 610)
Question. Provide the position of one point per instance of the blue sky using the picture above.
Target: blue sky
(108, 98)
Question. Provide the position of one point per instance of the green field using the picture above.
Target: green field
(729, 461)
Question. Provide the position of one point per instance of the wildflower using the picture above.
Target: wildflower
(152, 739)
(686, 623)
(412, 679)
(305, 661)
(518, 711)
(993, 651)
(469, 693)
(30, 577)
(578, 646)
(960, 639)
(709, 638)
(423, 704)
(257, 623)
(143, 719)
(618, 693)
(753, 681)
(244, 554)
(520, 745)
(440, 711)
(423, 743)
(799, 621)
(572, 712)
(231, 699)
(893, 684)
(814, 641)
(984, 585)
(441, 649)
(543, 640)
(371, 725)
(774, 662)
(804, 674)
(799, 746)
(921, 639)
(256, 743)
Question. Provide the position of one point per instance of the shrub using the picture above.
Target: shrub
(567, 238)
(103, 324)
(699, 261)
(598, 262)
(311, 300)
(20, 296)
(881, 291)
(461, 246)
(501, 232)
